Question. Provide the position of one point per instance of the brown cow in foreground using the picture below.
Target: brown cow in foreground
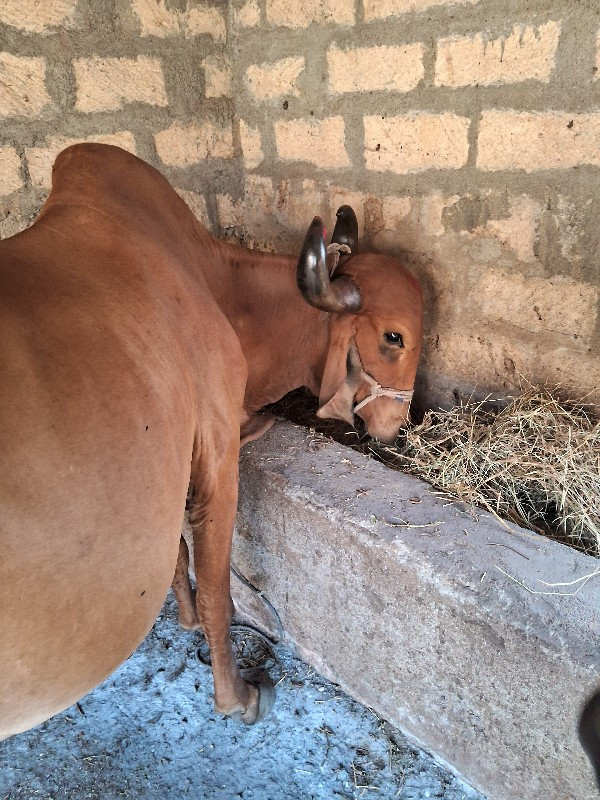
(136, 353)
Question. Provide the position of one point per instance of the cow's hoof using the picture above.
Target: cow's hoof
(262, 704)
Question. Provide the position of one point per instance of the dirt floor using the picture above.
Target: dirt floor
(148, 732)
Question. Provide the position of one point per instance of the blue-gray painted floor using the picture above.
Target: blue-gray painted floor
(149, 733)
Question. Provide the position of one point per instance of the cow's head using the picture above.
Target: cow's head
(376, 329)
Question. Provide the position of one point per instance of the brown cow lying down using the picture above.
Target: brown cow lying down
(136, 352)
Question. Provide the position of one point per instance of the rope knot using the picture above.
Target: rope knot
(336, 250)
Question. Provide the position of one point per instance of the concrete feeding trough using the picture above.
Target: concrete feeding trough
(432, 613)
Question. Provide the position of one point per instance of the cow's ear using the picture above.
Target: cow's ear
(336, 397)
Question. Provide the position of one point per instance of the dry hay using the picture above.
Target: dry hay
(536, 462)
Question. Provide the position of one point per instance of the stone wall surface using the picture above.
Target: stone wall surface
(151, 76)
(466, 133)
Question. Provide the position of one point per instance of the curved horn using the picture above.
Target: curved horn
(313, 279)
(346, 229)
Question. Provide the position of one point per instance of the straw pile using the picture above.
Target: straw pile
(536, 462)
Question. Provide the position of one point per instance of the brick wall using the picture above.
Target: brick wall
(466, 134)
(152, 77)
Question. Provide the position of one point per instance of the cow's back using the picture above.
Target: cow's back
(97, 424)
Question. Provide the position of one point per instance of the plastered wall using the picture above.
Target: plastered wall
(465, 133)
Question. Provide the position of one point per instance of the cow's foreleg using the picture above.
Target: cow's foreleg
(186, 597)
(212, 519)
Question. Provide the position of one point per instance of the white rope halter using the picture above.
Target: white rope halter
(376, 390)
(403, 395)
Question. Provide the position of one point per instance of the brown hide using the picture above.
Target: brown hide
(136, 351)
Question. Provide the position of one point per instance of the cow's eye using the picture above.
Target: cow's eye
(392, 337)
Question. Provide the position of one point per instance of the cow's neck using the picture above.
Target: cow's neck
(284, 338)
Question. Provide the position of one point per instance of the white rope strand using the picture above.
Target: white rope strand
(336, 250)
(402, 395)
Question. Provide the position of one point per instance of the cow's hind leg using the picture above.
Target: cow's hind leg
(186, 597)
(212, 519)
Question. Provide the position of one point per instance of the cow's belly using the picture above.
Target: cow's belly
(96, 436)
(90, 519)
(70, 617)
